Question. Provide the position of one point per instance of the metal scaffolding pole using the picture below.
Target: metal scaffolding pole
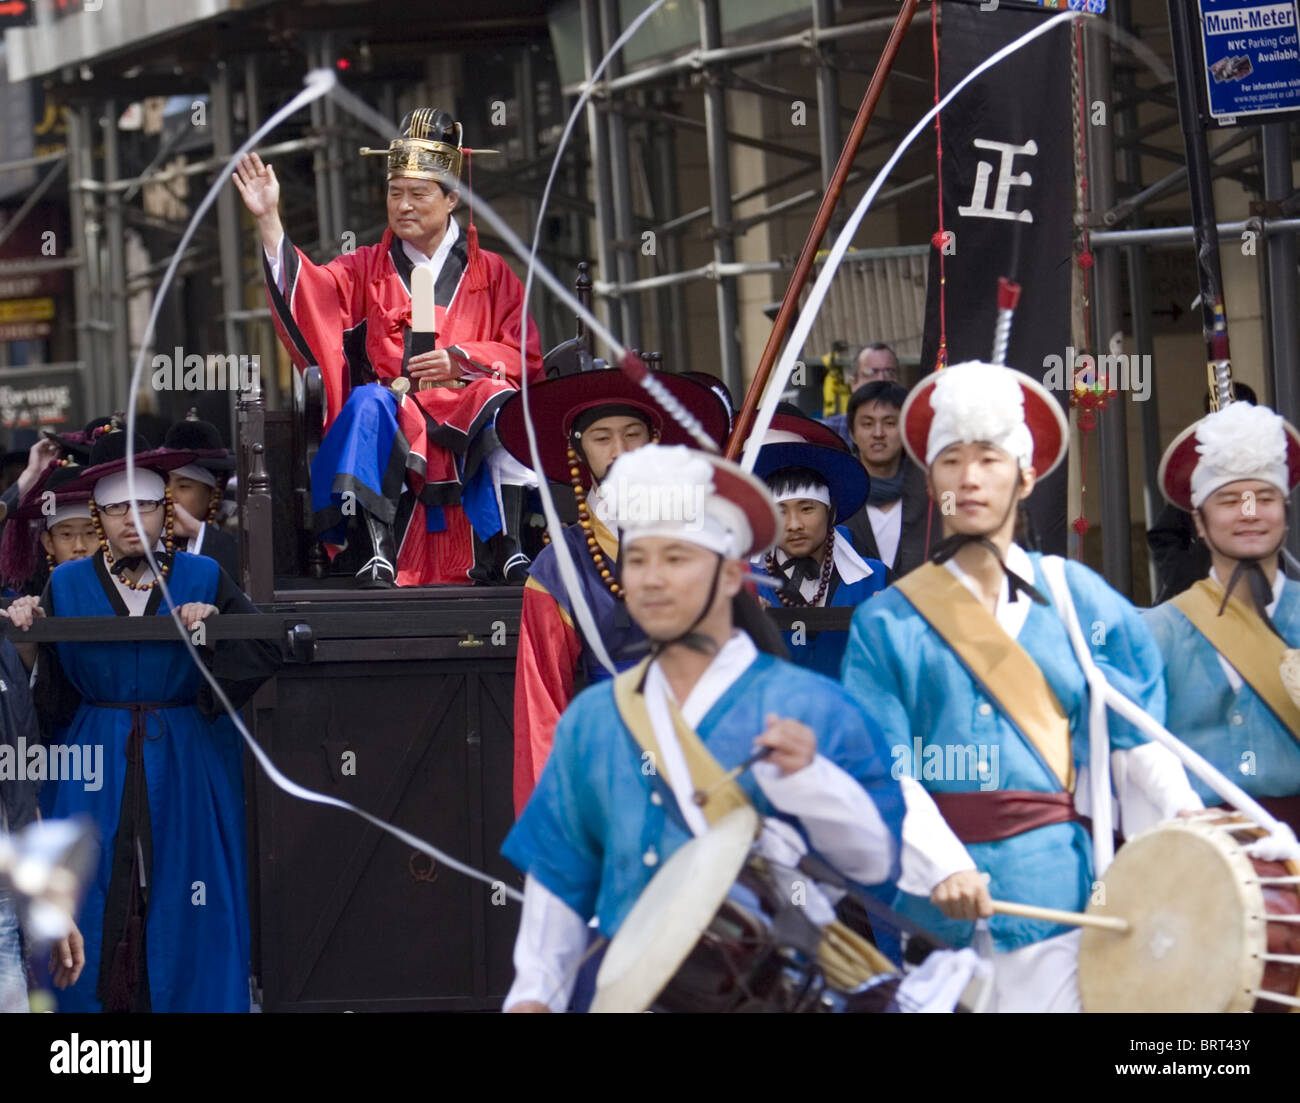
(1282, 299)
(828, 102)
(115, 244)
(621, 178)
(701, 60)
(602, 183)
(1139, 285)
(1112, 429)
(1186, 235)
(227, 227)
(93, 321)
(80, 271)
(1175, 181)
(328, 237)
(724, 247)
(1214, 311)
(252, 94)
(334, 160)
(682, 122)
(526, 97)
(672, 300)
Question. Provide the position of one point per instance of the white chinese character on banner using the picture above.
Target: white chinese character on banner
(978, 207)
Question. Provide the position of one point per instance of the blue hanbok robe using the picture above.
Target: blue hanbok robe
(594, 837)
(1234, 729)
(196, 929)
(919, 691)
(824, 651)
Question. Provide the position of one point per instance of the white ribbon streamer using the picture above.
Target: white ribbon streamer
(808, 315)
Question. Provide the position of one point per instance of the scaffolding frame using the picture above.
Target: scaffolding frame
(645, 95)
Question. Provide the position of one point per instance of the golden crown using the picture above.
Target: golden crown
(422, 150)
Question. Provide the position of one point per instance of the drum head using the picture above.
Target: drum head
(1195, 912)
(672, 913)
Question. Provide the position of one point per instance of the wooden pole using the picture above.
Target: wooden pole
(802, 269)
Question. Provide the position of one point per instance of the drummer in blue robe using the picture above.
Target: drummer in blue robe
(968, 667)
(165, 916)
(583, 423)
(817, 484)
(617, 796)
(1225, 641)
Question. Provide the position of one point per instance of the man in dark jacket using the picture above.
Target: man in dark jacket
(892, 526)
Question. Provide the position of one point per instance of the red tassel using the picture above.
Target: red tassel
(475, 266)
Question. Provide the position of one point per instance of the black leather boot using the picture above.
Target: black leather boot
(507, 547)
(380, 571)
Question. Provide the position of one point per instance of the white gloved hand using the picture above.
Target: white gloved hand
(1280, 846)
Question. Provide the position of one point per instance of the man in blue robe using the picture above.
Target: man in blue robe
(969, 669)
(1225, 640)
(607, 811)
(817, 484)
(165, 917)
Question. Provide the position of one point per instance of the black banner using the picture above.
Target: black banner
(1008, 198)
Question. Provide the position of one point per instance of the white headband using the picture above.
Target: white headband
(811, 492)
(197, 473)
(1239, 442)
(68, 511)
(149, 487)
(979, 403)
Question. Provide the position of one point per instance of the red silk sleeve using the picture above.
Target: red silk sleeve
(319, 303)
(497, 345)
(547, 659)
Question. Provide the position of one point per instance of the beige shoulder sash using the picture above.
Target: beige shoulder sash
(706, 773)
(1242, 638)
(998, 662)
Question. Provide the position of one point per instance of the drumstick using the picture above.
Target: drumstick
(1055, 915)
(702, 795)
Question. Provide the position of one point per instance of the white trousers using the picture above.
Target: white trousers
(1041, 977)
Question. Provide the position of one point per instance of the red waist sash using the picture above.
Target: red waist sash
(999, 814)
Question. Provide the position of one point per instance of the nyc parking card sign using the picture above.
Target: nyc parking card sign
(1252, 58)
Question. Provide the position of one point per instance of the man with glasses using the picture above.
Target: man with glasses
(165, 914)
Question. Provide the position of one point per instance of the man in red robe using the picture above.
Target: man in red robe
(396, 416)
(583, 423)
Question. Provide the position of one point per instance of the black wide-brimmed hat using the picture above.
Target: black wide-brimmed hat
(60, 480)
(203, 439)
(108, 457)
(802, 442)
(557, 404)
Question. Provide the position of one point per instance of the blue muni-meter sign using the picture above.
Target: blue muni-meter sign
(1252, 57)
